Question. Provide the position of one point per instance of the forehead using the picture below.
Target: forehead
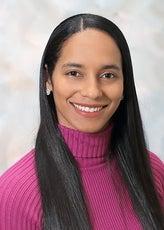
(90, 43)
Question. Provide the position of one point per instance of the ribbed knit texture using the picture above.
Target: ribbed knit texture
(107, 199)
(20, 203)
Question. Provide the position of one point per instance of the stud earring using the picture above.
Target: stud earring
(48, 91)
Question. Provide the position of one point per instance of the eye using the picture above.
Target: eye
(73, 73)
(107, 75)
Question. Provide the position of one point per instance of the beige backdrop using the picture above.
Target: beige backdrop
(24, 29)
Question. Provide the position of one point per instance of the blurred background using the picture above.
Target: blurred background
(25, 27)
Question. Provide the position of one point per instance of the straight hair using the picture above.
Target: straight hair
(62, 195)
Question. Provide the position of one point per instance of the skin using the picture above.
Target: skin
(87, 75)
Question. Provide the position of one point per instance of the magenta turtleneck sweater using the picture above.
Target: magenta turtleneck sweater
(107, 199)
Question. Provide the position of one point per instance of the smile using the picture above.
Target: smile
(87, 108)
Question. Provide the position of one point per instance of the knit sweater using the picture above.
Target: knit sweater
(107, 199)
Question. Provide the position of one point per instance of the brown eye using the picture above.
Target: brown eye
(73, 73)
(107, 75)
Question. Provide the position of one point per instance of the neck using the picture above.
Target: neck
(89, 149)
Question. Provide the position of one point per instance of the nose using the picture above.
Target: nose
(91, 88)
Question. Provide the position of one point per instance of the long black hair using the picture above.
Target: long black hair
(59, 179)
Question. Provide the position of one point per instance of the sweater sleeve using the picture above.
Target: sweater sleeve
(158, 174)
(20, 206)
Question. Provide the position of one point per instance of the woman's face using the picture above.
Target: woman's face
(87, 82)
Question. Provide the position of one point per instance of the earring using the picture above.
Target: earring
(48, 91)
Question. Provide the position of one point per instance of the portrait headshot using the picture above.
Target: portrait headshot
(82, 143)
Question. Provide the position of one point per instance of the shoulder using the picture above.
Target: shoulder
(19, 193)
(157, 166)
(19, 172)
(158, 173)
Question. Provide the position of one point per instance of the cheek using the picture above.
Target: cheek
(59, 87)
(61, 92)
(116, 93)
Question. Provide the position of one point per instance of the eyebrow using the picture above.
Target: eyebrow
(112, 66)
(104, 67)
(72, 64)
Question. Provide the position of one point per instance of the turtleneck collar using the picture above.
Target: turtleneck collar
(89, 149)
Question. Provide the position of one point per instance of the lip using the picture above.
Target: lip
(88, 110)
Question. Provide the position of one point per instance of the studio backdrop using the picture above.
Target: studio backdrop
(25, 27)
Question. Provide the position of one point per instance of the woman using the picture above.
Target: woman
(90, 168)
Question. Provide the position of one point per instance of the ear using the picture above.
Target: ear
(49, 84)
(48, 79)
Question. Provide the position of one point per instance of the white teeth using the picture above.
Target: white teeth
(88, 109)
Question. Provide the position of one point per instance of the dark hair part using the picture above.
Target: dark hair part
(59, 179)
